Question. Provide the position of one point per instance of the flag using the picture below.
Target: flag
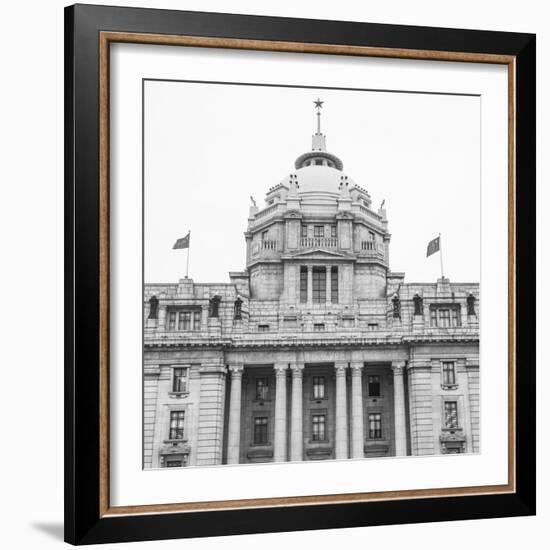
(183, 242)
(433, 247)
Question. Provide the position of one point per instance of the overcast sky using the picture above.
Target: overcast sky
(208, 147)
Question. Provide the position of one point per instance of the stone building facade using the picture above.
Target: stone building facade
(316, 350)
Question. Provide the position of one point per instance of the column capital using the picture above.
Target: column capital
(340, 368)
(280, 369)
(398, 367)
(236, 370)
(296, 369)
(356, 368)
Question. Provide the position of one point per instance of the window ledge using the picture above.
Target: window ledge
(178, 394)
(449, 386)
(174, 441)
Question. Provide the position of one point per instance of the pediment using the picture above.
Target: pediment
(320, 253)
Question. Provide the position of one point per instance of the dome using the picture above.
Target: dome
(318, 179)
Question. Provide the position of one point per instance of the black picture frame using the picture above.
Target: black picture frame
(84, 522)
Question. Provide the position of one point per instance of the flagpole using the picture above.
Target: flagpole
(441, 255)
(188, 250)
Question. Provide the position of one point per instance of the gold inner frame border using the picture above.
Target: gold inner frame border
(108, 37)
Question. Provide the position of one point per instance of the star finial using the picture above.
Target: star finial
(318, 105)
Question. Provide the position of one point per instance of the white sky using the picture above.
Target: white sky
(208, 147)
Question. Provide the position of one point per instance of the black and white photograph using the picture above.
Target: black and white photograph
(311, 268)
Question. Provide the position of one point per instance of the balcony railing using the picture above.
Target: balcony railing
(368, 245)
(319, 242)
(269, 244)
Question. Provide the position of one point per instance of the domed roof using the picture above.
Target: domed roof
(318, 179)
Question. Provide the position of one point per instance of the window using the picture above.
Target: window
(176, 424)
(303, 284)
(179, 381)
(372, 326)
(263, 328)
(172, 320)
(262, 388)
(333, 233)
(184, 322)
(184, 319)
(374, 385)
(375, 426)
(304, 231)
(318, 387)
(334, 285)
(319, 282)
(451, 415)
(174, 463)
(197, 319)
(319, 162)
(318, 427)
(445, 317)
(371, 236)
(449, 377)
(318, 327)
(264, 235)
(260, 430)
(318, 231)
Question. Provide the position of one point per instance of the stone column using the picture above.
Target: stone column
(357, 431)
(279, 451)
(309, 285)
(234, 430)
(398, 368)
(341, 440)
(328, 283)
(296, 420)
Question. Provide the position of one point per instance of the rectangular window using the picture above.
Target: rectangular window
(184, 321)
(319, 283)
(318, 327)
(371, 236)
(260, 430)
(374, 386)
(334, 285)
(318, 427)
(172, 320)
(333, 233)
(264, 235)
(449, 377)
(262, 388)
(318, 387)
(188, 319)
(375, 425)
(176, 424)
(303, 284)
(444, 318)
(263, 328)
(304, 231)
(197, 319)
(318, 231)
(451, 415)
(373, 326)
(179, 383)
(455, 321)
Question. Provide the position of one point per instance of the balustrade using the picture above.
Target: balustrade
(319, 242)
